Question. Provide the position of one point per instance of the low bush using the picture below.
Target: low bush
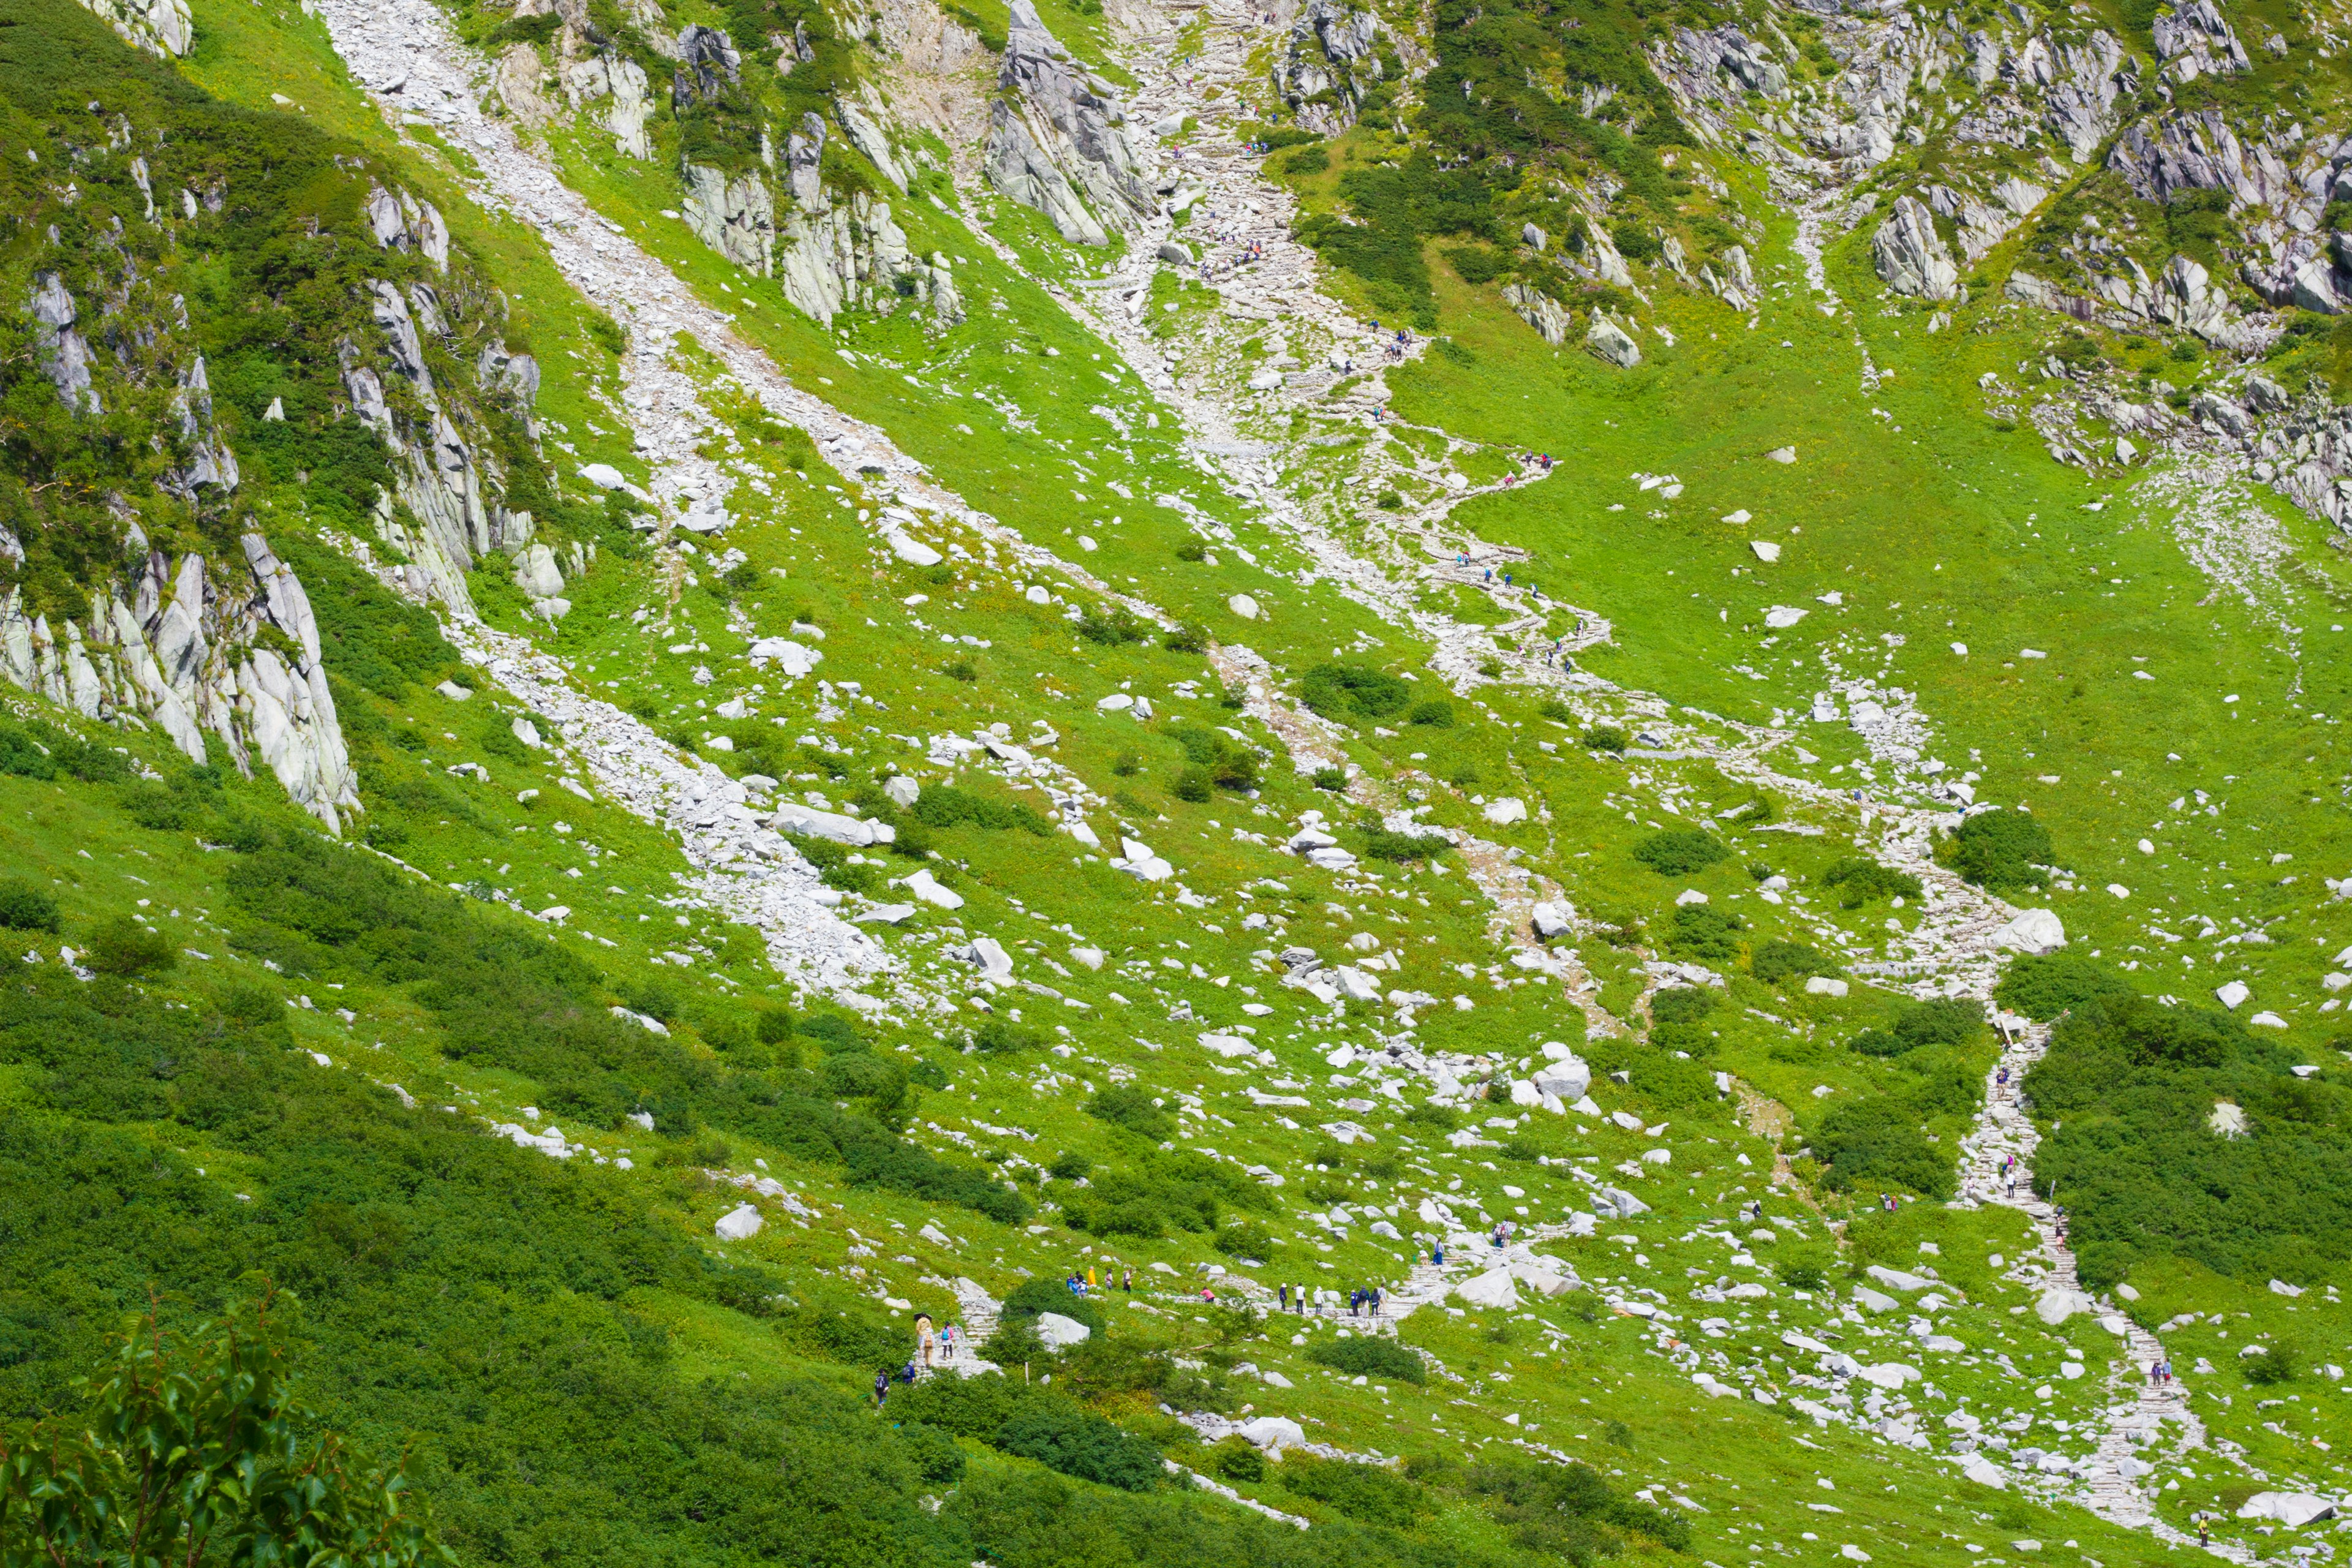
(1352, 693)
(1679, 851)
(1861, 881)
(2042, 986)
(2003, 850)
(1369, 1355)
(25, 905)
(1704, 932)
(1778, 961)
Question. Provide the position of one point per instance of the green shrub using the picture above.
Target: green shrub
(1436, 713)
(1032, 1297)
(1876, 1142)
(2267, 1368)
(1404, 848)
(1352, 694)
(1438, 1117)
(1056, 1432)
(1131, 1107)
(1069, 1165)
(1679, 851)
(1861, 881)
(2042, 986)
(1703, 933)
(1680, 1003)
(1237, 1459)
(1369, 1355)
(1193, 550)
(1606, 738)
(1370, 1493)
(124, 947)
(1778, 961)
(945, 806)
(1112, 625)
(25, 905)
(1002, 1036)
(1193, 784)
(1332, 779)
(1188, 637)
(2003, 850)
(1476, 264)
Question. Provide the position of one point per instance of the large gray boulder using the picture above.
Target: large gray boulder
(1909, 255)
(65, 353)
(1056, 139)
(1608, 339)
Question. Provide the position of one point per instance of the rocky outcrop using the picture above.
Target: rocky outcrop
(1327, 64)
(1538, 310)
(2181, 295)
(403, 223)
(734, 214)
(863, 126)
(2201, 152)
(1611, 343)
(1736, 282)
(707, 65)
(1057, 138)
(855, 255)
(159, 27)
(1982, 225)
(1910, 256)
(622, 85)
(2312, 272)
(64, 352)
(188, 649)
(2194, 39)
(1727, 63)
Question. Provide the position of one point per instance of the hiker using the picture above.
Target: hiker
(1285, 1296)
(924, 1341)
(881, 1389)
(1437, 1255)
(1127, 1280)
(1375, 1294)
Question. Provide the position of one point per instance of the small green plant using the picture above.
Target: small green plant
(1435, 714)
(1191, 550)
(123, 947)
(1187, 638)
(1127, 763)
(1606, 738)
(2267, 1368)
(1332, 779)
(1679, 851)
(25, 905)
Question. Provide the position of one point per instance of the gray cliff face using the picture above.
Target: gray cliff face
(181, 648)
(159, 27)
(736, 216)
(1057, 141)
(1327, 64)
(1910, 256)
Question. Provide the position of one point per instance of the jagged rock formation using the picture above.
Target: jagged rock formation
(446, 482)
(1736, 282)
(2195, 40)
(855, 254)
(65, 353)
(183, 648)
(159, 27)
(1538, 310)
(1056, 140)
(1327, 64)
(733, 215)
(1909, 255)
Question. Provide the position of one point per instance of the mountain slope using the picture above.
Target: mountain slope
(769, 669)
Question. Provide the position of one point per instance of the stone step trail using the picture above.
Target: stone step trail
(2141, 1408)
